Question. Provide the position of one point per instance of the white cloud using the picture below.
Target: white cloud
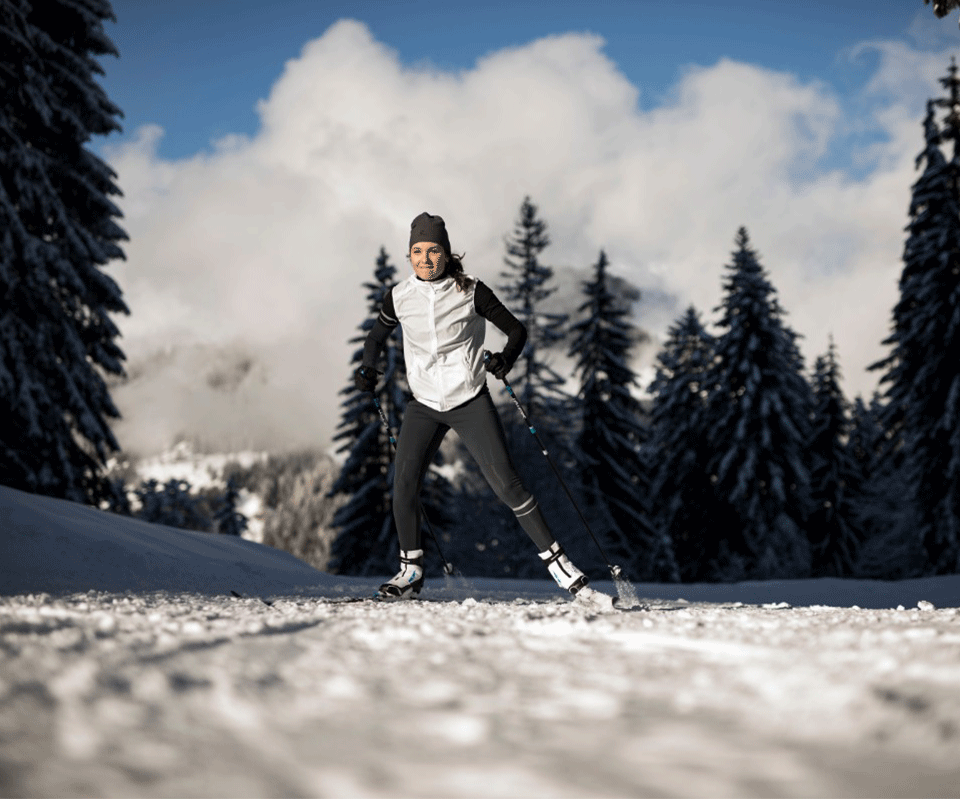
(260, 249)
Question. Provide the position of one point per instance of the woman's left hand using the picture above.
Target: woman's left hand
(497, 364)
(365, 379)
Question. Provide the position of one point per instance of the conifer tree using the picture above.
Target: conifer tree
(366, 533)
(684, 502)
(535, 383)
(836, 478)
(943, 7)
(759, 418)
(118, 500)
(505, 549)
(366, 542)
(57, 231)
(229, 519)
(614, 475)
(297, 510)
(922, 370)
(537, 386)
(890, 548)
(172, 504)
(488, 541)
(866, 441)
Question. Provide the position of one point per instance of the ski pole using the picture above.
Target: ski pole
(615, 571)
(447, 566)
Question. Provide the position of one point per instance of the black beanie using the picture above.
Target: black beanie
(427, 228)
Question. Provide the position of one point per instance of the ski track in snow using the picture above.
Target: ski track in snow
(185, 694)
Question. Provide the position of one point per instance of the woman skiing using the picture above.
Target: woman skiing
(444, 312)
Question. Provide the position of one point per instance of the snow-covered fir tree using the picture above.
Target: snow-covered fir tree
(536, 385)
(534, 381)
(684, 501)
(297, 511)
(614, 477)
(922, 370)
(890, 548)
(759, 418)
(836, 480)
(228, 518)
(172, 504)
(57, 231)
(487, 539)
(943, 7)
(504, 548)
(366, 542)
(866, 438)
(118, 499)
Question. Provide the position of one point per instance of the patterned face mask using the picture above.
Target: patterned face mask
(428, 260)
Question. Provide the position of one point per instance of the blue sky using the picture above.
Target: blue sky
(198, 68)
(270, 149)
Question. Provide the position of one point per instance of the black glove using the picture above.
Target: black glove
(365, 379)
(497, 364)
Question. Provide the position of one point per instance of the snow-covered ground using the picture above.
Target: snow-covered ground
(129, 667)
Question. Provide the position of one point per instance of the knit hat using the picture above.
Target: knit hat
(427, 228)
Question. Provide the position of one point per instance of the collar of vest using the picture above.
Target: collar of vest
(432, 286)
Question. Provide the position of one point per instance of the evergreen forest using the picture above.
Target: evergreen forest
(741, 462)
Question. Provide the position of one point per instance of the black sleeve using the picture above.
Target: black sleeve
(381, 330)
(489, 307)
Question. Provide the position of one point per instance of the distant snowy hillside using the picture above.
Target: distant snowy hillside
(202, 471)
(282, 495)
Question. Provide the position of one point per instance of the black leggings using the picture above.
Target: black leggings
(478, 426)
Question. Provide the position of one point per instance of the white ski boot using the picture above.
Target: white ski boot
(408, 581)
(572, 579)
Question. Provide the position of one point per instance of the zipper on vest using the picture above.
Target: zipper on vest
(432, 320)
(435, 344)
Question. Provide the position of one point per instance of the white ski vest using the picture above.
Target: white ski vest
(443, 339)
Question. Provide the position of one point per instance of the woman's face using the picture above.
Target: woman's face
(428, 260)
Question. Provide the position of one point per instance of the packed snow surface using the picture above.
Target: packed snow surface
(129, 666)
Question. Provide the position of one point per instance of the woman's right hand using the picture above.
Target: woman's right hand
(365, 379)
